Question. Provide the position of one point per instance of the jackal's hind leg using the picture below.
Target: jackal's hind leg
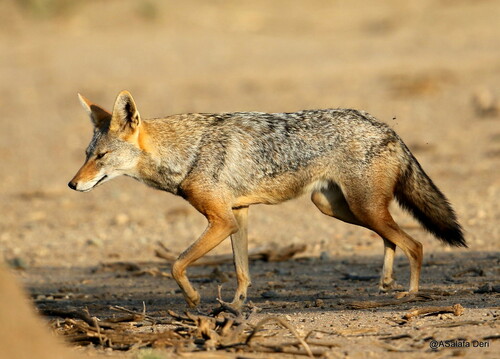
(380, 220)
(410, 247)
(239, 241)
(331, 201)
(387, 281)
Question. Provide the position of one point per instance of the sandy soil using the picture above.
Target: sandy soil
(428, 68)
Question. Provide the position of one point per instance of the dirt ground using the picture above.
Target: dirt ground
(431, 69)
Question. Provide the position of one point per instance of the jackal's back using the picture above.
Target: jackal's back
(246, 147)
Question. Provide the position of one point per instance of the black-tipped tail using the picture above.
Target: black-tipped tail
(417, 194)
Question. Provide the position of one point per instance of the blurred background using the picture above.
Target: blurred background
(429, 68)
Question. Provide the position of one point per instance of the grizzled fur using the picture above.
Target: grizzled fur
(242, 149)
(221, 163)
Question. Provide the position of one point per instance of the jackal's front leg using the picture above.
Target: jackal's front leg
(239, 241)
(220, 226)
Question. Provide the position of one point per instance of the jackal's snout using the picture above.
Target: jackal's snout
(72, 185)
(75, 184)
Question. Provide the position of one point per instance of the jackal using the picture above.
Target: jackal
(352, 164)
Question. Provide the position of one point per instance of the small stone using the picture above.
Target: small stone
(319, 302)
(18, 263)
(318, 335)
(347, 247)
(324, 256)
(94, 242)
(485, 104)
(121, 219)
(269, 294)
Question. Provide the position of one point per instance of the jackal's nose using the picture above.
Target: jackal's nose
(72, 185)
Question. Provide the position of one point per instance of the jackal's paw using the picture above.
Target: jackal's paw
(388, 286)
(401, 295)
(193, 300)
(405, 294)
(234, 308)
(238, 301)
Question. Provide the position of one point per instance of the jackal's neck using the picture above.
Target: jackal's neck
(168, 147)
(158, 175)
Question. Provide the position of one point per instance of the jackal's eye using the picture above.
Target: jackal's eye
(100, 155)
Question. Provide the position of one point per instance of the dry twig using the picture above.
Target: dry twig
(384, 303)
(285, 324)
(456, 309)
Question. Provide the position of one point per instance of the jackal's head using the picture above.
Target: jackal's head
(113, 150)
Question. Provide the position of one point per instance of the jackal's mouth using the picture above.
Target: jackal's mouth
(100, 181)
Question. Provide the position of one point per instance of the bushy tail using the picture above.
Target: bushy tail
(417, 194)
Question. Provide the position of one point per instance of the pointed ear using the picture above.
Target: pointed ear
(99, 116)
(125, 112)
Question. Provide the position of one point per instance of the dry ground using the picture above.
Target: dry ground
(431, 69)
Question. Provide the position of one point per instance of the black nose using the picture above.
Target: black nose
(72, 185)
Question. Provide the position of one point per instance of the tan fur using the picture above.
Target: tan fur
(143, 140)
(221, 224)
(86, 173)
